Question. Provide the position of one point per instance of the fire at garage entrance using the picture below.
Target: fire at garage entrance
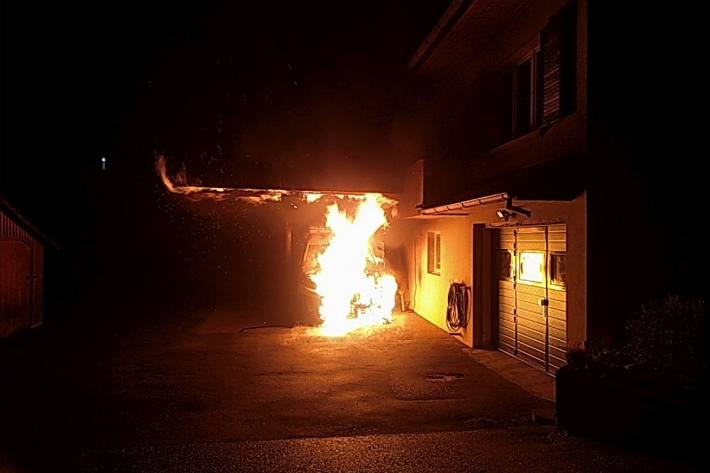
(352, 294)
(346, 269)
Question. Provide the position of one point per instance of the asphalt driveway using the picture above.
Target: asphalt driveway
(201, 393)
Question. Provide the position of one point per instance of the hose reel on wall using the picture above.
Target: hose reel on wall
(457, 307)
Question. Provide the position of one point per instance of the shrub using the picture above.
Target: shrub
(666, 337)
(665, 340)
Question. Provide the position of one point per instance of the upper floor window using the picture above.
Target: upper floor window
(433, 252)
(544, 75)
(526, 86)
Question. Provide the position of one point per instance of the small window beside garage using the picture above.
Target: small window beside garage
(558, 269)
(434, 252)
(532, 266)
(505, 264)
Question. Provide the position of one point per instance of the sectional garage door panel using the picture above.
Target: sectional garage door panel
(531, 324)
(557, 238)
(529, 353)
(506, 239)
(532, 298)
(506, 318)
(557, 326)
(557, 300)
(506, 340)
(506, 292)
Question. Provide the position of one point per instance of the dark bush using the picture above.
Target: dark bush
(666, 337)
(665, 342)
(648, 391)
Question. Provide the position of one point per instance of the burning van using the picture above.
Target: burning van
(344, 276)
(316, 243)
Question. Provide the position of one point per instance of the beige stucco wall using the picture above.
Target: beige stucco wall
(429, 293)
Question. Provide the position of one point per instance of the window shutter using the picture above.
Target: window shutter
(539, 89)
(558, 45)
(568, 58)
(550, 46)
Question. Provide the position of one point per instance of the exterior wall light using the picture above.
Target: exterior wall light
(503, 214)
(510, 211)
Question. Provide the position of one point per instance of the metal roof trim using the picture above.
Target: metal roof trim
(466, 204)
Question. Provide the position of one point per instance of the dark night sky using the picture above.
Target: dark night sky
(272, 94)
(264, 94)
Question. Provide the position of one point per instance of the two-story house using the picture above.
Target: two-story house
(519, 188)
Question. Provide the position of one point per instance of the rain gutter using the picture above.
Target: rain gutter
(466, 204)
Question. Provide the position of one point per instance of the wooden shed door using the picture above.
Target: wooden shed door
(15, 280)
(532, 302)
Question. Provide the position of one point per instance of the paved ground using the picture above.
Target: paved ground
(521, 450)
(199, 394)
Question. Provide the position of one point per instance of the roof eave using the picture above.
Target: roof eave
(447, 21)
(465, 204)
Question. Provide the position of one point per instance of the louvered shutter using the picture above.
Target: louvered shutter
(550, 47)
(558, 46)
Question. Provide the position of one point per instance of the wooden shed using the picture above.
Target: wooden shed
(21, 271)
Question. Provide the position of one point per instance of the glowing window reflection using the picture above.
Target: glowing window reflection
(532, 266)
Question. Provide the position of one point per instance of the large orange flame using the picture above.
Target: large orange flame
(351, 280)
(353, 295)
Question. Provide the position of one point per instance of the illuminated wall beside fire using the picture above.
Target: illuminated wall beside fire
(428, 289)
